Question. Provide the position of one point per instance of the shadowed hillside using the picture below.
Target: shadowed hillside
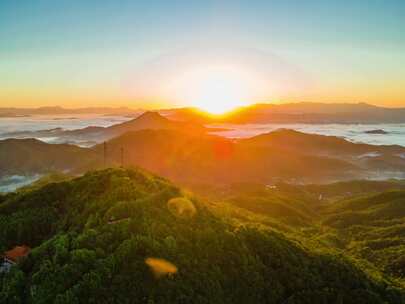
(194, 158)
(370, 157)
(317, 144)
(31, 156)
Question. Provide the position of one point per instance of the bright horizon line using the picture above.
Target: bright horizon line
(167, 107)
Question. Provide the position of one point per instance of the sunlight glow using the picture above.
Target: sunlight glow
(216, 89)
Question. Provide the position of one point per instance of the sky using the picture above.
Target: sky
(174, 53)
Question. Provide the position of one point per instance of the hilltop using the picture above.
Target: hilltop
(93, 238)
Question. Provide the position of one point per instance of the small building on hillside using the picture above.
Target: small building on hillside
(5, 265)
(12, 256)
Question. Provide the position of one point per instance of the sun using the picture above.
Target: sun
(216, 90)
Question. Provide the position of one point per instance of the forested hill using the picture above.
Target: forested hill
(373, 228)
(126, 236)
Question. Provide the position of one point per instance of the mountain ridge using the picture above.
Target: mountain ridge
(303, 112)
(300, 112)
(200, 157)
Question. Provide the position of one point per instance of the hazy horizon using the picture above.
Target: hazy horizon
(162, 108)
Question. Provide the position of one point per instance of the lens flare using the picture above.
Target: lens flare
(160, 267)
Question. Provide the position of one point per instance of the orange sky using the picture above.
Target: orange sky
(64, 53)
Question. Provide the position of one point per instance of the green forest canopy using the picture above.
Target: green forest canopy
(90, 238)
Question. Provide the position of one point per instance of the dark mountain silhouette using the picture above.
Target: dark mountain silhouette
(376, 131)
(147, 120)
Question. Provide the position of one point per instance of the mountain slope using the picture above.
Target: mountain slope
(370, 157)
(373, 228)
(209, 159)
(194, 157)
(318, 144)
(93, 237)
(368, 224)
(31, 156)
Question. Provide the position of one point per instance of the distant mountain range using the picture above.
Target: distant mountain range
(90, 135)
(13, 112)
(301, 112)
(186, 153)
(297, 113)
